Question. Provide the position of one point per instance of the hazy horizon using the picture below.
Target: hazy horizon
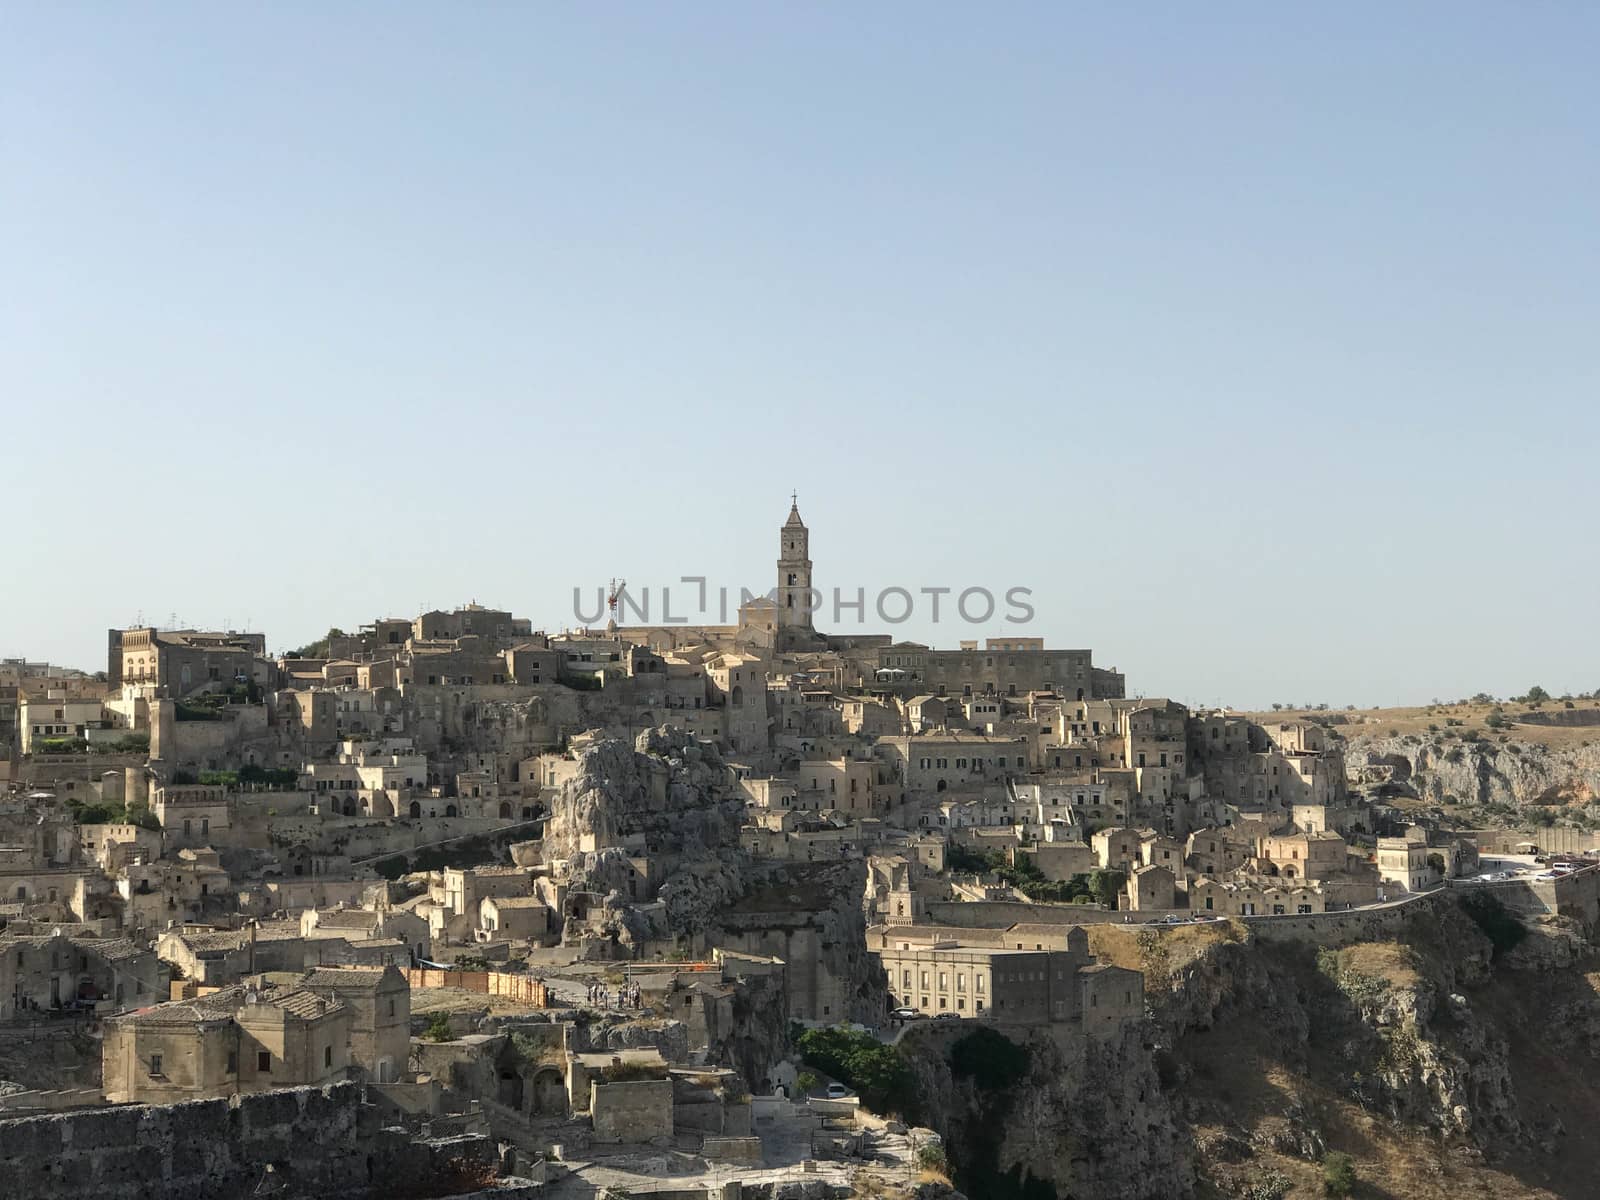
(1257, 342)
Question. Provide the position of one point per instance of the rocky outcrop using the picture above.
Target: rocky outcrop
(668, 793)
(810, 916)
(669, 798)
(1260, 1053)
(1458, 771)
(1088, 1119)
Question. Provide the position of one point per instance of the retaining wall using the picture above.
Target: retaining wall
(299, 1142)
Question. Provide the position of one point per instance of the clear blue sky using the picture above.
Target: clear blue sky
(1260, 342)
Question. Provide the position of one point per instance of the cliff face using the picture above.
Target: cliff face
(1088, 1120)
(1441, 1066)
(670, 798)
(1450, 770)
(668, 792)
(810, 915)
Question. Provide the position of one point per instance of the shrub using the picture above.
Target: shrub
(278, 778)
(1269, 1185)
(963, 860)
(1338, 1174)
(876, 1071)
(438, 1029)
(932, 1158)
(195, 710)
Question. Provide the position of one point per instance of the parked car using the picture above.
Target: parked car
(947, 1016)
(837, 1091)
(907, 1014)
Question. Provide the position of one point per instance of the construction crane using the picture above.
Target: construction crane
(614, 597)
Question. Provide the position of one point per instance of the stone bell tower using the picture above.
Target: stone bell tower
(794, 572)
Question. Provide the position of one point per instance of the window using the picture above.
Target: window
(327, 1056)
(155, 1064)
(264, 1062)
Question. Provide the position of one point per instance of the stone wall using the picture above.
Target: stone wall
(636, 1112)
(300, 1142)
(1376, 923)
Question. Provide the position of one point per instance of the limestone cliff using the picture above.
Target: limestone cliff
(668, 793)
(1443, 1062)
(1453, 771)
(1088, 1119)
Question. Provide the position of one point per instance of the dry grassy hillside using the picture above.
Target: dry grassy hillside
(1526, 720)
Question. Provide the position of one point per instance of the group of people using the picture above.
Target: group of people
(624, 997)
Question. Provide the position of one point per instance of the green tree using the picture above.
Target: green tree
(1107, 886)
(438, 1029)
(318, 648)
(1536, 695)
(876, 1071)
(1338, 1174)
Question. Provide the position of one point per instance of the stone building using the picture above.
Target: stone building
(1013, 986)
(951, 761)
(50, 972)
(521, 917)
(193, 815)
(379, 1000)
(240, 1039)
(178, 662)
(1404, 860)
(1151, 887)
(1301, 855)
(1254, 897)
